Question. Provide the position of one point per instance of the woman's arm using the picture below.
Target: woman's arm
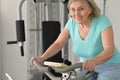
(57, 45)
(54, 48)
(108, 45)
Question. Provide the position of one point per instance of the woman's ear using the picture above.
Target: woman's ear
(90, 11)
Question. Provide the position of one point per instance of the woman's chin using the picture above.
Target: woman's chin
(79, 22)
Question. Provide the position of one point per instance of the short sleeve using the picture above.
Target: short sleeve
(68, 24)
(105, 22)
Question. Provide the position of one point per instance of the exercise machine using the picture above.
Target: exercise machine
(68, 72)
(47, 17)
(20, 28)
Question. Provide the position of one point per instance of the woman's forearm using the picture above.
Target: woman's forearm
(52, 50)
(57, 45)
(104, 56)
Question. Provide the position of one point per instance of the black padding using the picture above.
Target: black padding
(20, 30)
(50, 32)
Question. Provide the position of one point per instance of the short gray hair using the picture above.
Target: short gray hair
(95, 9)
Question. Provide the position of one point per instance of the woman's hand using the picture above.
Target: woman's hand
(39, 59)
(89, 65)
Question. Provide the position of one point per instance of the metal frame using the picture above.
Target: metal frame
(38, 11)
(104, 7)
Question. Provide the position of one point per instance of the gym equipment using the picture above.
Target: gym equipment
(8, 76)
(48, 16)
(67, 71)
(20, 28)
(50, 32)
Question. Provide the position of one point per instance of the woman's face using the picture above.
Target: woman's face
(79, 11)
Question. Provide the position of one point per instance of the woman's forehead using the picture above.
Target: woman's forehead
(80, 3)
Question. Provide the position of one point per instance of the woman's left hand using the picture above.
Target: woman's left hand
(89, 65)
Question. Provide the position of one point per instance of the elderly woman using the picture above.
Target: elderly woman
(92, 38)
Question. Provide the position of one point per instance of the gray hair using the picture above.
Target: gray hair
(95, 9)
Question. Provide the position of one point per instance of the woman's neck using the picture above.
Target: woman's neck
(86, 24)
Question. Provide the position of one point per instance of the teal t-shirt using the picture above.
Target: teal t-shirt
(92, 44)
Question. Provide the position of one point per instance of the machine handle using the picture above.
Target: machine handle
(11, 42)
(46, 69)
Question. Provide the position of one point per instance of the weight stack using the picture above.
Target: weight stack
(50, 32)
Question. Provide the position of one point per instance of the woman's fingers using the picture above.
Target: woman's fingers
(38, 58)
(89, 65)
(32, 59)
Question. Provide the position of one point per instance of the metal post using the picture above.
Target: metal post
(48, 10)
(104, 7)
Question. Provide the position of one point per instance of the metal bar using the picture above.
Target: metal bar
(63, 20)
(46, 69)
(19, 9)
(104, 7)
(8, 76)
(48, 10)
(37, 32)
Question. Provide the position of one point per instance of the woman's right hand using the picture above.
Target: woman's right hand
(38, 58)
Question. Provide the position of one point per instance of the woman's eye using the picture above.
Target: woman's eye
(81, 9)
(72, 10)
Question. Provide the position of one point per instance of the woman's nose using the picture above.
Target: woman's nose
(77, 12)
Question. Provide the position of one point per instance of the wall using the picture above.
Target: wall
(112, 10)
(0, 46)
(13, 63)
